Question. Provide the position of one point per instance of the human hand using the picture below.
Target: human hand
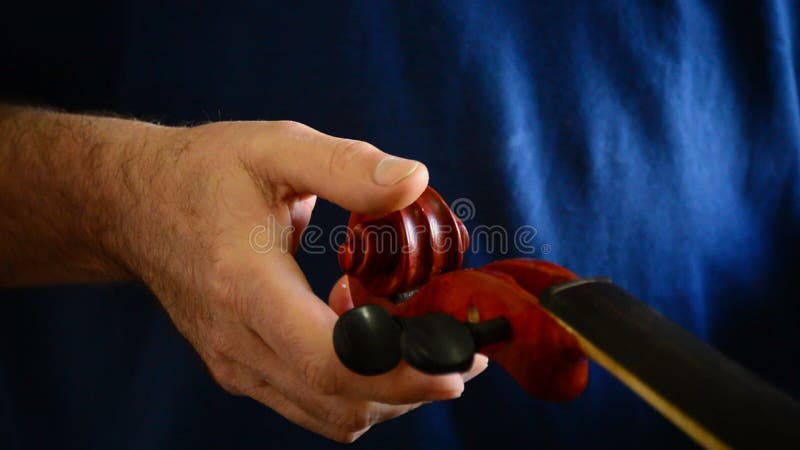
(192, 197)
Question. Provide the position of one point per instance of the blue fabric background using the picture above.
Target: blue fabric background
(654, 142)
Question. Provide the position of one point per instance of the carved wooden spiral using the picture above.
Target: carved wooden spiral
(395, 253)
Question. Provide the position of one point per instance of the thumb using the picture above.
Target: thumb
(353, 174)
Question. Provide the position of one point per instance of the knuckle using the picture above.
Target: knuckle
(318, 378)
(221, 278)
(291, 127)
(220, 343)
(345, 151)
(223, 289)
(224, 376)
(352, 419)
(270, 399)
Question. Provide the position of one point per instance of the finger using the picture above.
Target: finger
(272, 398)
(339, 300)
(353, 174)
(479, 364)
(358, 296)
(300, 210)
(298, 326)
(257, 358)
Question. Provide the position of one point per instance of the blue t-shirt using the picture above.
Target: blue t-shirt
(657, 143)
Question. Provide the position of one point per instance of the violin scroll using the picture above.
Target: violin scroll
(398, 252)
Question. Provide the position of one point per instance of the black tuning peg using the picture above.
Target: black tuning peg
(369, 341)
(438, 343)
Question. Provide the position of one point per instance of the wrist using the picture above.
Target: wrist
(120, 229)
(63, 195)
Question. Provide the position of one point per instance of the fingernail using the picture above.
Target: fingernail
(479, 367)
(391, 170)
(451, 394)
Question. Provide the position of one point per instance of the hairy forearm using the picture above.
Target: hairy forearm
(63, 195)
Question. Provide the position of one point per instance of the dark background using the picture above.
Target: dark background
(654, 142)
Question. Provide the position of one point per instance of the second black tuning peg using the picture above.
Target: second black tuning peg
(438, 343)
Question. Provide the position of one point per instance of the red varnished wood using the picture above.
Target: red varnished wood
(542, 356)
(400, 251)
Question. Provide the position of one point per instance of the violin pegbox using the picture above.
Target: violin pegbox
(393, 254)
